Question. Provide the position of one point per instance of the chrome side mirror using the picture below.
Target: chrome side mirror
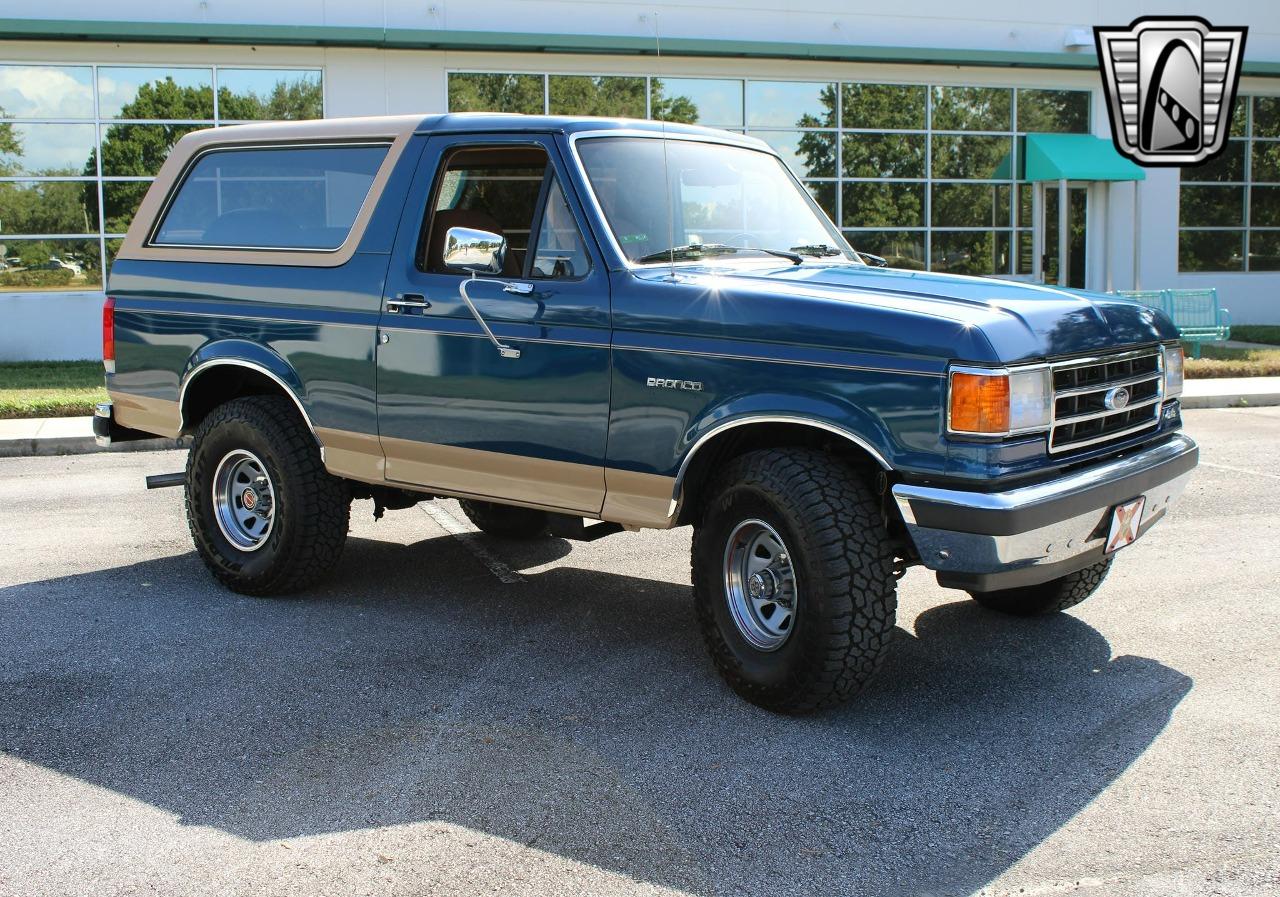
(477, 251)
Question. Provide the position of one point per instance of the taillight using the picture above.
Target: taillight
(109, 335)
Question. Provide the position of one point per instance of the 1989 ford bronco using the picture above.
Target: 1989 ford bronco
(563, 319)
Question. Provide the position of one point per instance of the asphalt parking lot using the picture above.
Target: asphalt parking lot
(458, 715)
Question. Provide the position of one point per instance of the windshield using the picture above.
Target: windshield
(721, 201)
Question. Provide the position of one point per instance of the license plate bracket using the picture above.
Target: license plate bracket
(1126, 520)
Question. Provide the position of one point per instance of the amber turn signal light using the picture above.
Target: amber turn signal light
(979, 403)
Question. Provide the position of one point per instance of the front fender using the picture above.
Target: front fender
(801, 408)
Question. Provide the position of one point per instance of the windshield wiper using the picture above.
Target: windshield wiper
(819, 250)
(694, 251)
(688, 252)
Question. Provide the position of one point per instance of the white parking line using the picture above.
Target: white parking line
(471, 539)
(1256, 473)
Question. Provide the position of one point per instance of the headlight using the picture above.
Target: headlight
(1000, 402)
(1172, 371)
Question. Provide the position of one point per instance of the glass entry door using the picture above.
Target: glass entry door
(1062, 263)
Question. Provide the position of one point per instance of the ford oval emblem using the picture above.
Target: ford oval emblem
(1116, 398)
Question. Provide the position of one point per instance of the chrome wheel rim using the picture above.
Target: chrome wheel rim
(760, 585)
(244, 500)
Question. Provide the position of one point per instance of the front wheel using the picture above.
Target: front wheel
(793, 580)
(265, 515)
(1047, 597)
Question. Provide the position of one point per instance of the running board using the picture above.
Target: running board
(164, 480)
(576, 528)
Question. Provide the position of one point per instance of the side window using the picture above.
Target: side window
(561, 252)
(302, 197)
(491, 188)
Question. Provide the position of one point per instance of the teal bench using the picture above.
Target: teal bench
(1198, 315)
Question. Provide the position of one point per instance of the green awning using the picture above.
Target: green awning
(1077, 157)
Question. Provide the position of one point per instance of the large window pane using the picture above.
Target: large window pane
(47, 149)
(1266, 116)
(967, 252)
(1264, 251)
(809, 154)
(50, 265)
(872, 204)
(1264, 207)
(1266, 162)
(158, 93)
(703, 101)
(120, 200)
(790, 104)
(495, 93)
(972, 109)
(1065, 111)
(586, 95)
(884, 155)
(970, 205)
(280, 198)
(1227, 167)
(1211, 250)
(883, 106)
(138, 150)
(901, 249)
(986, 158)
(1211, 206)
(269, 94)
(48, 207)
(46, 91)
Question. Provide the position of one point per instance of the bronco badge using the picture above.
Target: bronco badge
(663, 383)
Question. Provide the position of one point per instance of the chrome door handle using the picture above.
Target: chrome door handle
(406, 300)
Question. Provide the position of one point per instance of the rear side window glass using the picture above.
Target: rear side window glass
(272, 198)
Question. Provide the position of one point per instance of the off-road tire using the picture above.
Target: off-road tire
(312, 508)
(1047, 597)
(506, 521)
(832, 525)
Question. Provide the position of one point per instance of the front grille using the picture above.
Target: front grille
(1080, 413)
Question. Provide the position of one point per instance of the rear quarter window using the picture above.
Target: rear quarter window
(271, 197)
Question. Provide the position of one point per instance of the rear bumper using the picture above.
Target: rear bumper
(983, 541)
(107, 432)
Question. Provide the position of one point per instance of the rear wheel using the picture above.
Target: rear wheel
(265, 515)
(793, 580)
(1047, 597)
(506, 521)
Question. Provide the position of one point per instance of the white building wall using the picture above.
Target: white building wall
(364, 81)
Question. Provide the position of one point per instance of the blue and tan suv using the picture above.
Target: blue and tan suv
(582, 326)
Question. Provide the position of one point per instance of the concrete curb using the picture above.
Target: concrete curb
(79, 445)
(1233, 400)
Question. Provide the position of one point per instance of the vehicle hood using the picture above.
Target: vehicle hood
(1019, 321)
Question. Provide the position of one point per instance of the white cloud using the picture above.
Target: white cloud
(46, 91)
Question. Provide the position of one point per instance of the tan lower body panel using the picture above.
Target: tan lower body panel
(356, 456)
(578, 488)
(632, 499)
(159, 416)
(638, 499)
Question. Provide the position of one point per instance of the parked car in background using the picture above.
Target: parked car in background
(581, 326)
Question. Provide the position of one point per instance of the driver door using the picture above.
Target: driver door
(453, 413)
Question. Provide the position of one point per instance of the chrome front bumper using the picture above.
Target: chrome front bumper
(982, 541)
